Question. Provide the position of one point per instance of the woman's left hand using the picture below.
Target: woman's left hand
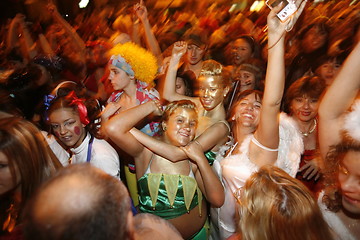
(312, 170)
(194, 151)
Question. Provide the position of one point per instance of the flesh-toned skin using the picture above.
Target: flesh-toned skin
(118, 78)
(66, 125)
(194, 54)
(247, 111)
(349, 179)
(179, 130)
(241, 51)
(304, 108)
(6, 179)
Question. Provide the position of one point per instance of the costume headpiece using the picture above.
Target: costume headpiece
(135, 61)
(211, 68)
(80, 106)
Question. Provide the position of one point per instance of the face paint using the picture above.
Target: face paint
(212, 92)
(77, 130)
(66, 125)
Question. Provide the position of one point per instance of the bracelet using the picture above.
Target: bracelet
(276, 42)
(158, 104)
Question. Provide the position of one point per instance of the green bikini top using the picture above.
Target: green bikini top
(168, 196)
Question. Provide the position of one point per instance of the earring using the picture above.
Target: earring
(163, 127)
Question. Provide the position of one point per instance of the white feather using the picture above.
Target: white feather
(352, 121)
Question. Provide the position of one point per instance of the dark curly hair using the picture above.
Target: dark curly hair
(332, 196)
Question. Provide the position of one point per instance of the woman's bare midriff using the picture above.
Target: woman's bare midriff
(190, 223)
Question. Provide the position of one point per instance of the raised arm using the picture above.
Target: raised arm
(151, 42)
(29, 47)
(267, 132)
(13, 34)
(18, 31)
(337, 99)
(169, 92)
(45, 45)
(119, 126)
(77, 40)
(208, 182)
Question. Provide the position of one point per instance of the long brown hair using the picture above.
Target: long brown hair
(28, 152)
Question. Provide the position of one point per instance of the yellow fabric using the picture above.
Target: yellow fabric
(132, 185)
(154, 183)
(189, 188)
(171, 186)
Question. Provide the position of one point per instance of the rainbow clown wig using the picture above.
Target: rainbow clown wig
(135, 61)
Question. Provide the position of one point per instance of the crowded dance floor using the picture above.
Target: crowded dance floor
(180, 119)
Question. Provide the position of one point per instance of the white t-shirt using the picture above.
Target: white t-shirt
(102, 156)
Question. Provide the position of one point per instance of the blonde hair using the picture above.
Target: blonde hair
(274, 205)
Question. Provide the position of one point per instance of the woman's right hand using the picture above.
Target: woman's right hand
(141, 11)
(179, 49)
(110, 109)
(277, 27)
(194, 151)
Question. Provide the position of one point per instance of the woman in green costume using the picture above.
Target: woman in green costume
(173, 190)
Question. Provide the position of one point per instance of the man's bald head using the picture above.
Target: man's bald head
(80, 202)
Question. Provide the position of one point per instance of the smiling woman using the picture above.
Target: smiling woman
(302, 103)
(74, 126)
(214, 83)
(171, 190)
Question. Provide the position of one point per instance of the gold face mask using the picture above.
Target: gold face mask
(212, 91)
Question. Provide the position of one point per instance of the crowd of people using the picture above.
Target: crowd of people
(145, 123)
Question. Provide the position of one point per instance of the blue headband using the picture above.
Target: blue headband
(120, 62)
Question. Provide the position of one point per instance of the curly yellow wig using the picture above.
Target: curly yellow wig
(142, 62)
